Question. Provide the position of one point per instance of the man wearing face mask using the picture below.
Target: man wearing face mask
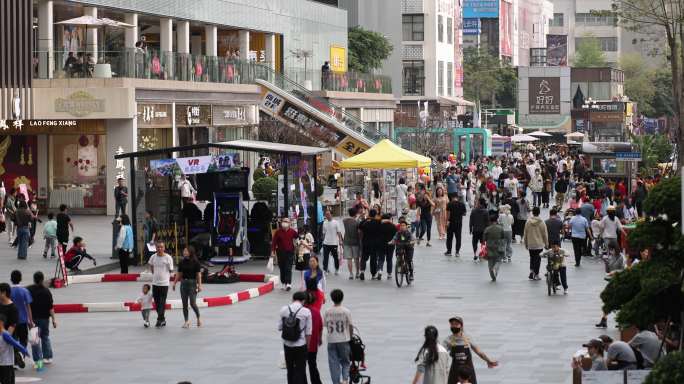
(610, 226)
(459, 346)
(282, 245)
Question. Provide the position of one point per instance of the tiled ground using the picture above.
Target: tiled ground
(532, 335)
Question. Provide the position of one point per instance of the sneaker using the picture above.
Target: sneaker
(337, 272)
(428, 244)
(186, 325)
(357, 275)
(145, 324)
(379, 275)
(49, 361)
(531, 276)
(351, 277)
(327, 273)
(158, 324)
(44, 255)
(447, 253)
(457, 255)
(537, 278)
(602, 324)
(389, 276)
(565, 291)
(288, 287)
(163, 324)
(475, 258)
(39, 366)
(362, 277)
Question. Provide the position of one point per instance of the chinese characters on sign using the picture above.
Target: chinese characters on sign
(602, 106)
(193, 165)
(258, 56)
(309, 125)
(272, 101)
(481, 8)
(350, 147)
(338, 59)
(120, 167)
(544, 95)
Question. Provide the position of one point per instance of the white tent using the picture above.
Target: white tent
(539, 133)
(523, 138)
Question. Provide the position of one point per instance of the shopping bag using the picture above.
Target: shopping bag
(269, 265)
(34, 336)
(483, 251)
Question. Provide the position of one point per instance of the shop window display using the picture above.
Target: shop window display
(78, 171)
(18, 161)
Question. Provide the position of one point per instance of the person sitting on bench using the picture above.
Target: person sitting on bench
(76, 254)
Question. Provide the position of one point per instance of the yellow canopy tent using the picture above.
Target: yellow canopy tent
(386, 155)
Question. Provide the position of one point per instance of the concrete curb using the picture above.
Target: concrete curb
(233, 298)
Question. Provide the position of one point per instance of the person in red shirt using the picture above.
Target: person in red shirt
(76, 254)
(283, 246)
(316, 338)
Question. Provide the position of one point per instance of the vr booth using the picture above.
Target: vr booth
(224, 224)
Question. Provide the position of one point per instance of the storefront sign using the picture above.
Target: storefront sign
(579, 126)
(120, 167)
(606, 148)
(608, 117)
(193, 115)
(272, 102)
(229, 115)
(480, 8)
(163, 167)
(471, 27)
(605, 106)
(338, 59)
(351, 147)
(193, 165)
(628, 156)
(79, 104)
(154, 116)
(311, 126)
(544, 95)
(258, 56)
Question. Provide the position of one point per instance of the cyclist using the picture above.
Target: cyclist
(404, 242)
(556, 257)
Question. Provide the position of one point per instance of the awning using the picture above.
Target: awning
(386, 155)
(454, 101)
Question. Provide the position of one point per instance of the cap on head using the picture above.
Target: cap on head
(457, 319)
(594, 343)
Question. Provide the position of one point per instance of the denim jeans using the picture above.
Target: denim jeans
(508, 235)
(23, 236)
(338, 360)
(44, 349)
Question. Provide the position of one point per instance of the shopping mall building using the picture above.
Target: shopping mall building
(159, 74)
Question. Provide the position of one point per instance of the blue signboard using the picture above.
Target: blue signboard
(471, 26)
(474, 9)
(636, 156)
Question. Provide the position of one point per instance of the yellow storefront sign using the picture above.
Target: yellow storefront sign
(338, 59)
(351, 147)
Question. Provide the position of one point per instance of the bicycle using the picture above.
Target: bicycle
(552, 275)
(402, 267)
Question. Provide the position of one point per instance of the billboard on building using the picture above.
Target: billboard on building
(506, 29)
(338, 59)
(544, 93)
(474, 9)
(471, 27)
(557, 50)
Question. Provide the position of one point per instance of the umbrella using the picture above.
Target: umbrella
(539, 133)
(497, 136)
(523, 138)
(574, 135)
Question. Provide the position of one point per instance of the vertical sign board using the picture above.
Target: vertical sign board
(338, 59)
(544, 95)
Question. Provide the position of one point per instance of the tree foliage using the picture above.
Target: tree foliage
(588, 53)
(668, 370)
(487, 79)
(648, 87)
(367, 49)
(652, 290)
(654, 149)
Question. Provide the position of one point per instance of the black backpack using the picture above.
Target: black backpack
(291, 330)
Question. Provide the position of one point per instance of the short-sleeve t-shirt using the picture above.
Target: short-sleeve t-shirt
(621, 351)
(163, 265)
(579, 226)
(22, 299)
(42, 301)
(63, 221)
(337, 321)
(610, 227)
(189, 268)
(351, 231)
(11, 314)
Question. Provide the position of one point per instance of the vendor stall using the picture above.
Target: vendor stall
(613, 160)
(386, 163)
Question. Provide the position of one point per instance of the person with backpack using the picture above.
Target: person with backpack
(338, 322)
(296, 326)
(495, 241)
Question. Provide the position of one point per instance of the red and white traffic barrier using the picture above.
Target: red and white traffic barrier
(269, 284)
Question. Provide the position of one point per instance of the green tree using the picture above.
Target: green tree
(654, 149)
(663, 102)
(588, 53)
(652, 290)
(367, 49)
(668, 370)
(639, 82)
(487, 79)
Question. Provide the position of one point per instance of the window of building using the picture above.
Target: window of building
(450, 79)
(440, 28)
(607, 44)
(594, 20)
(450, 30)
(557, 20)
(412, 27)
(413, 74)
(440, 78)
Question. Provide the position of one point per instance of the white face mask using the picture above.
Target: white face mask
(285, 225)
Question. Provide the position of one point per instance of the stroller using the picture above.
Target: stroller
(358, 360)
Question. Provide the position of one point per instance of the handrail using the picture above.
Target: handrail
(350, 121)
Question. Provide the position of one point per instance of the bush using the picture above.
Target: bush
(258, 174)
(668, 370)
(264, 188)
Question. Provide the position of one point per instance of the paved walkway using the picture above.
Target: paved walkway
(513, 320)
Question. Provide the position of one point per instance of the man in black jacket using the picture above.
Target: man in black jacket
(455, 211)
(554, 226)
(479, 219)
(561, 190)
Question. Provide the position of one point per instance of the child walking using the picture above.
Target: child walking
(145, 300)
(50, 235)
(412, 218)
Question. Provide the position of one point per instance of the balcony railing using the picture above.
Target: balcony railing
(145, 65)
(342, 82)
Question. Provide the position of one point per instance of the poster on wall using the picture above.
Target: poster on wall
(506, 29)
(338, 59)
(18, 162)
(557, 50)
(544, 95)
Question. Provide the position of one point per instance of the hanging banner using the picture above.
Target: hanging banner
(224, 162)
(193, 165)
(557, 50)
(164, 167)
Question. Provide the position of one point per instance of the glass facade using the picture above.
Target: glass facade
(78, 171)
(413, 77)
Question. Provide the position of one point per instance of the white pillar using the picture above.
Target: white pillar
(91, 39)
(244, 44)
(210, 39)
(183, 36)
(271, 49)
(166, 35)
(131, 33)
(46, 64)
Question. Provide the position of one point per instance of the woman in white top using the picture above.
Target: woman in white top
(610, 226)
(506, 220)
(433, 360)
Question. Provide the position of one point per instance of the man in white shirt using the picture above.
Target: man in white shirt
(296, 351)
(333, 234)
(187, 191)
(496, 170)
(161, 265)
(511, 185)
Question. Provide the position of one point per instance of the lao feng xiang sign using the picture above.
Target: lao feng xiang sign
(544, 95)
